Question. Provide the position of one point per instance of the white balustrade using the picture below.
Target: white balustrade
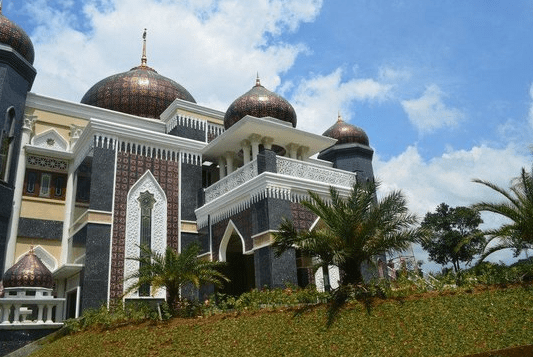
(315, 172)
(228, 183)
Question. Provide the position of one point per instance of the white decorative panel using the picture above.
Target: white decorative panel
(50, 139)
(314, 172)
(147, 182)
(334, 278)
(233, 180)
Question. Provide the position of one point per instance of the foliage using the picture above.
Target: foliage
(117, 315)
(173, 270)
(353, 231)
(518, 208)
(448, 325)
(454, 236)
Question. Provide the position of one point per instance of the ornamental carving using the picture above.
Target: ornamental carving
(146, 185)
(46, 163)
(228, 183)
(309, 171)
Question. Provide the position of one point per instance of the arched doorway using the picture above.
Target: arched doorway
(239, 268)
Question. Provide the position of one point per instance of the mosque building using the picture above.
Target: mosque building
(139, 161)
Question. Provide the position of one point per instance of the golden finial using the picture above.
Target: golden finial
(339, 117)
(32, 251)
(143, 58)
(257, 80)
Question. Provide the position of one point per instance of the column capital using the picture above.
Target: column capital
(267, 142)
(245, 143)
(29, 122)
(254, 138)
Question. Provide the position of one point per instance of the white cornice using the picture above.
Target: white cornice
(87, 112)
(190, 107)
(242, 195)
(39, 150)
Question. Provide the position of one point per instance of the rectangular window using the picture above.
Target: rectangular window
(45, 184)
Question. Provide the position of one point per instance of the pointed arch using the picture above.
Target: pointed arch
(145, 186)
(230, 229)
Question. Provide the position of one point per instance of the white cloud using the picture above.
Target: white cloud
(213, 48)
(429, 113)
(318, 100)
(448, 179)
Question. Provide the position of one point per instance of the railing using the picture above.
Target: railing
(19, 308)
(315, 172)
(233, 180)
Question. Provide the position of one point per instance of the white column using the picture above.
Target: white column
(6, 309)
(293, 150)
(40, 309)
(229, 161)
(221, 167)
(267, 142)
(255, 140)
(49, 314)
(70, 198)
(16, 314)
(12, 230)
(303, 153)
(245, 145)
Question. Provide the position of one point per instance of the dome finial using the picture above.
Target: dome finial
(339, 117)
(257, 80)
(143, 58)
(32, 251)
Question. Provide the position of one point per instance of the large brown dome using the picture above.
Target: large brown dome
(346, 133)
(140, 91)
(28, 272)
(12, 35)
(259, 102)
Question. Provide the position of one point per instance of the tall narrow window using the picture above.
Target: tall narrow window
(6, 138)
(146, 201)
(45, 185)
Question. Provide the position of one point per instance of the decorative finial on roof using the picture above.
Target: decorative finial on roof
(143, 58)
(32, 251)
(339, 117)
(257, 80)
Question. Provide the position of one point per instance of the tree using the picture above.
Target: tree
(353, 231)
(453, 235)
(173, 270)
(518, 209)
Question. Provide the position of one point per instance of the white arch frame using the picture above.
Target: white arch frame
(230, 228)
(48, 259)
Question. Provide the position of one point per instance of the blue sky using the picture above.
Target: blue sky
(443, 89)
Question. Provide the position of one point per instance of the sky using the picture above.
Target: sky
(444, 89)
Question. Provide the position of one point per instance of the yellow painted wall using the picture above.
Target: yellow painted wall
(53, 247)
(42, 208)
(49, 120)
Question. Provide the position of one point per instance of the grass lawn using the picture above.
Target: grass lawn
(440, 325)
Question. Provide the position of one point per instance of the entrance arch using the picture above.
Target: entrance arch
(239, 267)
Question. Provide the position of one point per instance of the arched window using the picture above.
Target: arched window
(6, 141)
(146, 202)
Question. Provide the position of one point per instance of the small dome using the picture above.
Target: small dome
(346, 133)
(28, 272)
(259, 102)
(140, 91)
(13, 35)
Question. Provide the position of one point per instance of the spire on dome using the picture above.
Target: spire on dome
(339, 117)
(143, 58)
(257, 80)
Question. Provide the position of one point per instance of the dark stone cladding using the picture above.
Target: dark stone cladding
(130, 167)
(189, 133)
(266, 161)
(40, 228)
(273, 271)
(16, 79)
(191, 178)
(188, 239)
(96, 272)
(102, 179)
(12, 340)
(80, 237)
(351, 157)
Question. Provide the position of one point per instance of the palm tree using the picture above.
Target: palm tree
(354, 231)
(518, 209)
(173, 271)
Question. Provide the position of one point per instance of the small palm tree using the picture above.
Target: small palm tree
(354, 230)
(173, 271)
(518, 208)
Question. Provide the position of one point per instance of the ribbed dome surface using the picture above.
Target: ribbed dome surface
(346, 133)
(141, 91)
(28, 272)
(259, 102)
(11, 34)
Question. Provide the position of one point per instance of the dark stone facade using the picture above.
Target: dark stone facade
(351, 157)
(16, 79)
(12, 340)
(188, 132)
(130, 167)
(40, 228)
